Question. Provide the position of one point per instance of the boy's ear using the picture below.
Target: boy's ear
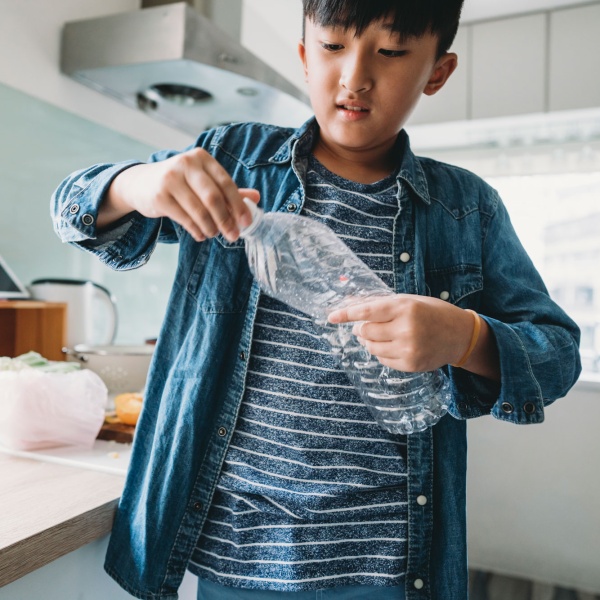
(444, 67)
(302, 55)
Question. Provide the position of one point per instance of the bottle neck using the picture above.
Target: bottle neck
(257, 216)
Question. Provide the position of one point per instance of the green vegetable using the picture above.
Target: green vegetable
(34, 360)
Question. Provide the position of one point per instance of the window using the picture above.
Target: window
(557, 217)
(552, 192)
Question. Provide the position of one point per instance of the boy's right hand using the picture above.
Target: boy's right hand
(191, 188)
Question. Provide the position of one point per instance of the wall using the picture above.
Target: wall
(41, 145)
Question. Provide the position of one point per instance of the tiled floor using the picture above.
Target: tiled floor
(490, 586)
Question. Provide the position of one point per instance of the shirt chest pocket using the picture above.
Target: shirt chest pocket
(460, 285)
(220, 279)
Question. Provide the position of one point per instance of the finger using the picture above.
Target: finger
(374, 331)
(385, 350)
(365, 311)
(214, 190)
(238, 212)
(194, 206)
(175, 212)
(244, 218)
(214, 201)
(364, 330)
(358, 328)
(401, 358)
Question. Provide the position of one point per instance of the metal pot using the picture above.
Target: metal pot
(122, 368)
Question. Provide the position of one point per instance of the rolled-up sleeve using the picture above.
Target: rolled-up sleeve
(538, 343)
(125, 244)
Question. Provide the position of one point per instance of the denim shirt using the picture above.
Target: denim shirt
(462, 248)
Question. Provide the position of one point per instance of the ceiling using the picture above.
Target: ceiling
(476, 10)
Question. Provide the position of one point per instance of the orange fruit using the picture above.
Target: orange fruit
(128, 407)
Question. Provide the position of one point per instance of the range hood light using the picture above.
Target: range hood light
(182, 95)
(179, 95)
(145, 102)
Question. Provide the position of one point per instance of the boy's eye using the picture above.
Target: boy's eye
(331, 47)
(391, 53)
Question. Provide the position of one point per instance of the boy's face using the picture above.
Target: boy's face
(363, 89)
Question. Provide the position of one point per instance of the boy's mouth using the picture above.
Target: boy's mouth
(353, 108)
(352, 111)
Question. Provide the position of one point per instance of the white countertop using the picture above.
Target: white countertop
(105, 456)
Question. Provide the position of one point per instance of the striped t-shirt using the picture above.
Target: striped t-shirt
(312, 493)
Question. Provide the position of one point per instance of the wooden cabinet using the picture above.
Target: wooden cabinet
(509, 66)
(574, 51)
(28, 325)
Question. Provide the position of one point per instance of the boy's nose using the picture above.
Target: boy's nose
(356, 75)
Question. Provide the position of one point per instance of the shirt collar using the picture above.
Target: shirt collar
(411, 171)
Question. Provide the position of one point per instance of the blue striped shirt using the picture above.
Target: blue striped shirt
(312, 493)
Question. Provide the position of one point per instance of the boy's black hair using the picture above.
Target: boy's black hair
(410, 18)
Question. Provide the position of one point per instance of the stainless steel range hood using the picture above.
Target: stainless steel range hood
(176, 65)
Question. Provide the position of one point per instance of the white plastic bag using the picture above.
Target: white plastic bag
(44, 409)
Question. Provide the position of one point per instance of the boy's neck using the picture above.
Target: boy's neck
(366, 166)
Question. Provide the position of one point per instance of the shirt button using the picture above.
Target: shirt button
(87, 219)
(243, 355)
(197, 505)
(445, 295)
(418, 583)
(74, 209)
(507, 407)
(222, 431)
(421, 500)
(405, 257)
(292, 207)
(529, 408)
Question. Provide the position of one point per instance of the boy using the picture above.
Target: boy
(255, 464)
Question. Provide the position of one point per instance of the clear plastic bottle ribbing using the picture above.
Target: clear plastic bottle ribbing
(302, 263)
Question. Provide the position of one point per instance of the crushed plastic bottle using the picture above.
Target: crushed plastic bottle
(302, 263)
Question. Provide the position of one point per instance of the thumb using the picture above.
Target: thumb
(252, 194)
(244, 217)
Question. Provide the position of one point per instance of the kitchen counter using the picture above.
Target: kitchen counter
(49, 509)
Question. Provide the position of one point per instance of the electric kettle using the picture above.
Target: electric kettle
(91, 309)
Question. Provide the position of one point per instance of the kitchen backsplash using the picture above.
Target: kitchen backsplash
(41, 144)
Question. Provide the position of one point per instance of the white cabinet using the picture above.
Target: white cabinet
(450, 103)
(533, 494)
(79, 574)
(509, 66)
(574, 50)
(503, 67)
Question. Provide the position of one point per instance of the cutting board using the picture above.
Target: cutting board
(118, 432)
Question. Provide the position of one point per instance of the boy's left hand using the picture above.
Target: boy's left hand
(408, 332)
